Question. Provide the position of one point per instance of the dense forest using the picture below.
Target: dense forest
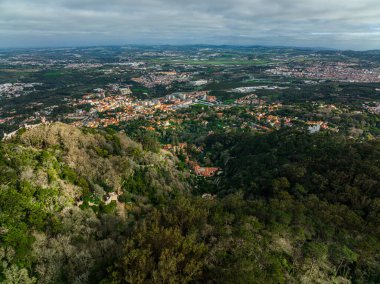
(290, 208)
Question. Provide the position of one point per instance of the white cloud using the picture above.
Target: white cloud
(329, 23)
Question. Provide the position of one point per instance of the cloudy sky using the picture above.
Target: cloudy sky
(344, 24)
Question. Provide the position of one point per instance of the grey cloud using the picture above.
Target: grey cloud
(349, 24)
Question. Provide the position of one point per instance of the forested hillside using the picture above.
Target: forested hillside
(54, 182)
(319, 193)
(86, 206)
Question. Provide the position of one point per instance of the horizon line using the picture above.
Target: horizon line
(318, 48)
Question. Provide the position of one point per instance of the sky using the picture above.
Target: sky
(340, 24)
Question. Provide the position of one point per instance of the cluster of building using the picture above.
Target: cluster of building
(162, 78)
(330, 71)
(372, 108)
(116, 104)
(83, 65)
(267, 120)
(199, 82)
(251, 99)
(316, 126)
(13, 90)
(206, 171)
(182, 99)
(175, 148)
(255, 88)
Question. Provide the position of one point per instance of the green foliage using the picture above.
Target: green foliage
(316, 189)
(290, 208)
(43, 173)
(148, 140)
(68, 174)
(101, 152)
(15, 275)
(109, 208)
(164, 247)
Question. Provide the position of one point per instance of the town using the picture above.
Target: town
(180, 96)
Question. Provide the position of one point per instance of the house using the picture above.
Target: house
(125, 91)
(175, 148)
(208, 196)
(205, 171)
(167, 147)
(316, 126)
